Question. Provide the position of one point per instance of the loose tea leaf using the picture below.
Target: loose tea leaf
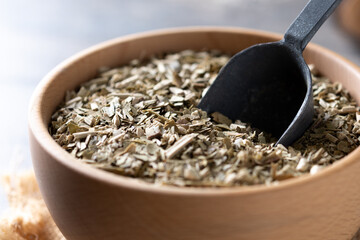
(140, 120)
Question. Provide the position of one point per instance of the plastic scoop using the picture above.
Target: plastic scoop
(269, 85)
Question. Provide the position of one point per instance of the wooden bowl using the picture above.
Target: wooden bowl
(87, 203)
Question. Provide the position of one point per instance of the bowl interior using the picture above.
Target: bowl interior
(84, 66)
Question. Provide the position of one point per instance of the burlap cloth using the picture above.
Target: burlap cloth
(28, 218)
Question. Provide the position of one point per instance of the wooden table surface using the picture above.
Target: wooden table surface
(37, 35)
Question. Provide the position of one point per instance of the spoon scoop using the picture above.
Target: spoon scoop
(269, 85)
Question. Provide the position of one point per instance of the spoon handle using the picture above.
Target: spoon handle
(309, 21)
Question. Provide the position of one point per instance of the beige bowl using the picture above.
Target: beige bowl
(87, 203)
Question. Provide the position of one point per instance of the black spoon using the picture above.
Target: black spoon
(269, 85)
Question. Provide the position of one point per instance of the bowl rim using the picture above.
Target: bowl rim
(39, 131)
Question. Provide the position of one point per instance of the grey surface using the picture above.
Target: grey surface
(37, 35)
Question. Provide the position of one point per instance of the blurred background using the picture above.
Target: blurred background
(36, 35)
